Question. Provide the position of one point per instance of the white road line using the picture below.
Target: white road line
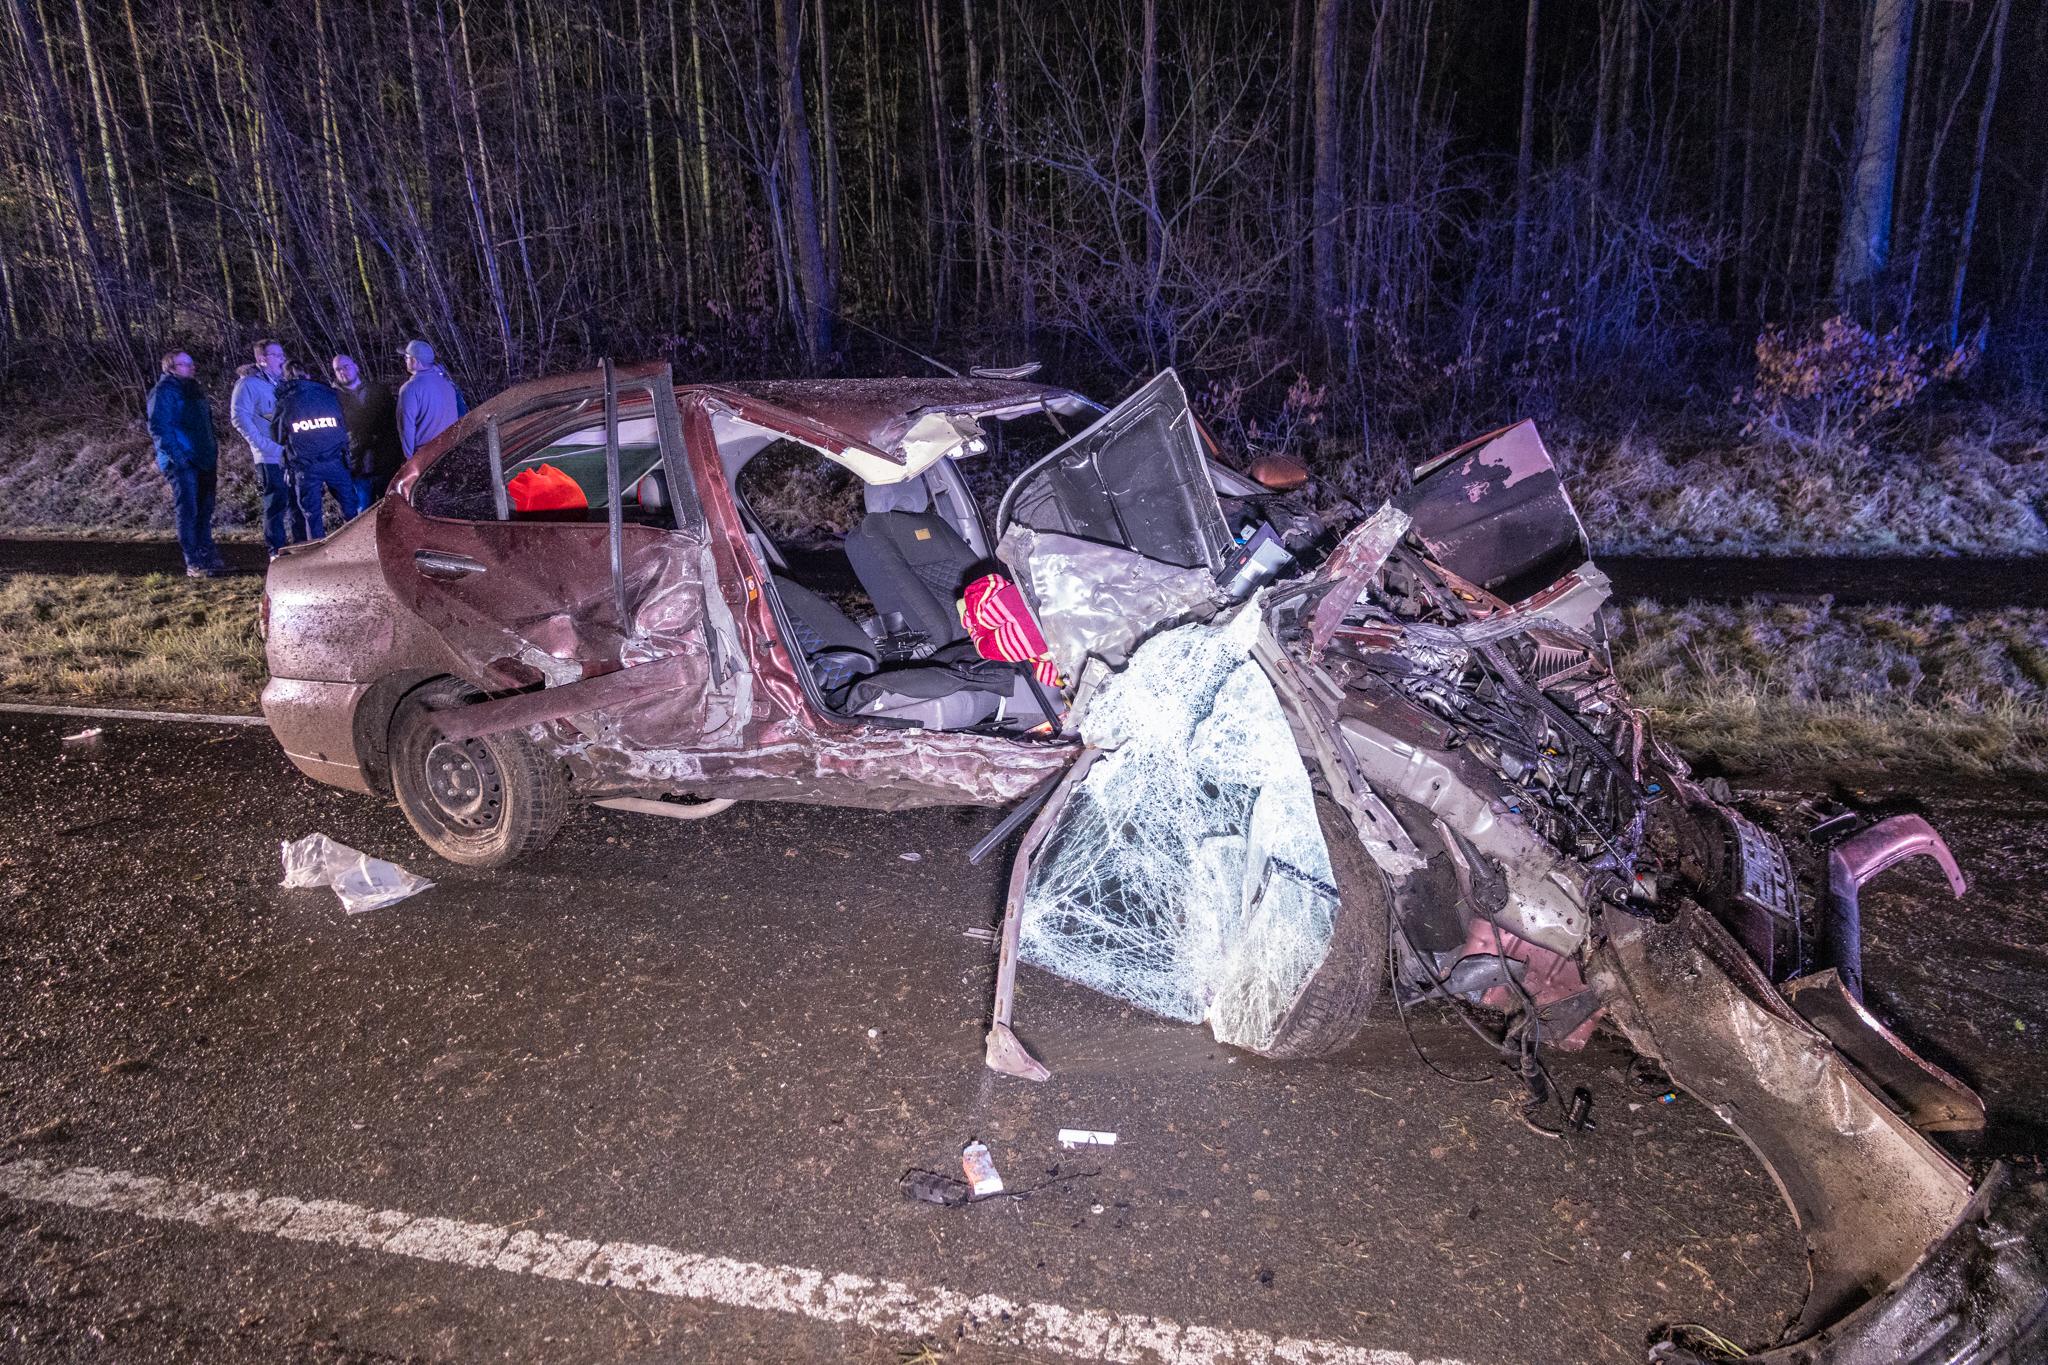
(910, 1311)
(114, 713)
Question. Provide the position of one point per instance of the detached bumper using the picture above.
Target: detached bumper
(1909, 1263)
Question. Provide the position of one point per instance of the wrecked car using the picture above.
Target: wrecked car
(1269, 768)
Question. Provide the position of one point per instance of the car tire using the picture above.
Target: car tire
(1332, 1007)
(478, 802)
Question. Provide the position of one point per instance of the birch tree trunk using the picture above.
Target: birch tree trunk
(1864, 245)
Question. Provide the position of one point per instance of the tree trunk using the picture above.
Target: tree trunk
(1327, 204)
(1525, 154)
(54, 119)
(1751, 135)
(1864, 245)
(1929, 189)
(812, 278)
(1148, 152)
(828, 144)
(977, 159)
(1969, 230)
(1809, 150)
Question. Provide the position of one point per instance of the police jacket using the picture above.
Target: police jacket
(309, 424)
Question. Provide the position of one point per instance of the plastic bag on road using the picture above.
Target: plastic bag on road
(362, 882)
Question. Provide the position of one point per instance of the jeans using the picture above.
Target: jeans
(192, 491)
(310, 481)
(280, 509)
(367, 491)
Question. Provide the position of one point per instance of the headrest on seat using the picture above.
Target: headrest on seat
(652, 490)
(913, 495)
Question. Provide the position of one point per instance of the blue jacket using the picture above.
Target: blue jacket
(428, 405)
(180, 424)
(251, 407)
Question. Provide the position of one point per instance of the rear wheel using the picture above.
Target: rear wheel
(478, 802)
(1332, 1007)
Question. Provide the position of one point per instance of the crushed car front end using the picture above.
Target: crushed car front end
(1542, 854)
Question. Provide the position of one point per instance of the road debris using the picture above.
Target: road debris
(84, 739)
(361, 881)
(1086, 1137)
(930, 1187)
(980, 1169)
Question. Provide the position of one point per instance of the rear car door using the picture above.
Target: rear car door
(529, 591)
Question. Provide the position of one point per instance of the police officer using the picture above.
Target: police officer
(310, 427)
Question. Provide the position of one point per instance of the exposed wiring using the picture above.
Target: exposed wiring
(1437, 986)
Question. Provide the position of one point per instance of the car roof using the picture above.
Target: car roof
(876, 412)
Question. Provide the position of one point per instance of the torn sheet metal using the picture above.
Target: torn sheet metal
(1354, 564)
(1978, 1297)
(1097, 600)
(1187, 873)
(1870, 1193)
(1495, 511)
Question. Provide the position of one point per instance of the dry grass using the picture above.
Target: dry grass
(1981, 488)
(1751, 686)
(68, 473)
(157, 638)
(1862, 688)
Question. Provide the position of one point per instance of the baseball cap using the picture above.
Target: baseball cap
(420, 351)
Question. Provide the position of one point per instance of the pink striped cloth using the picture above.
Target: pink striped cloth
(1000, 623)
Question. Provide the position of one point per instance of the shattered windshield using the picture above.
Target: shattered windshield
(1189, 876)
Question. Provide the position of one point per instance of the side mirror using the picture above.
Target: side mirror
(1281, 473)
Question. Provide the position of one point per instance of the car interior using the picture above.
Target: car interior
(867, 581)
(561, 481)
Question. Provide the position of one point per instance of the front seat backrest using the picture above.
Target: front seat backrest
(837, 650)
(911, 561)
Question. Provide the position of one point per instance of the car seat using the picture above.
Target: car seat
(911, 560)
(936, 696)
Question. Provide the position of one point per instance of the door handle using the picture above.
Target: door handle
(444, 564)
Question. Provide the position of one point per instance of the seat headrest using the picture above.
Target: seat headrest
(652, 490)
(912, 495)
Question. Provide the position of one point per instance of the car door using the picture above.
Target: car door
(550, 595)
(1136, 479)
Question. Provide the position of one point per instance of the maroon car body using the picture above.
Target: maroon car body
(1502, 826)
(694, 690)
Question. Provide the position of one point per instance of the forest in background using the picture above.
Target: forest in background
(1345, 220)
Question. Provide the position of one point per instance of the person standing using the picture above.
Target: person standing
(252, 409)
(309, 426)
(428, 403)
(181, 428)
(371, 414)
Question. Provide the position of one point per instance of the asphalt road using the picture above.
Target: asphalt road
(729, 1040)
(1963, 583)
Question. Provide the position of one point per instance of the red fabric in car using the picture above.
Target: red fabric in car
(544, 488)
(999, 622)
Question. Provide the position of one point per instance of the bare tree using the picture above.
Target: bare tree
(1864, 244)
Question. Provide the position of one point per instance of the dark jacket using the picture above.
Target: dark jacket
(181, 424)
(309, 424)
(371, 413)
